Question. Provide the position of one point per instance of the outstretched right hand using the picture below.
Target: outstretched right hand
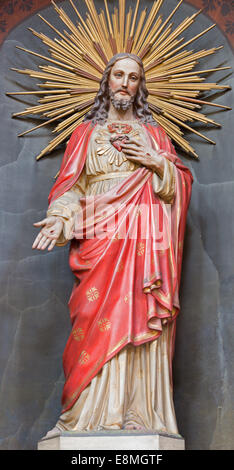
(49, 234)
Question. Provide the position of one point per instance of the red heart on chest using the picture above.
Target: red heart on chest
(118, 141)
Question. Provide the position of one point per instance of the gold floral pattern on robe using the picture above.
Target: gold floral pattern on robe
(134, 372)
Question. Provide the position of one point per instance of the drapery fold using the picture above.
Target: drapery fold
(128, 261)
(132, 388)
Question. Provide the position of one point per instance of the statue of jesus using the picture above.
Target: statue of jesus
(127, 261)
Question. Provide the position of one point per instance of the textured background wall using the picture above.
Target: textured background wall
(35, 286)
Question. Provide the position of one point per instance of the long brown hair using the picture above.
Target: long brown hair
(99, 111)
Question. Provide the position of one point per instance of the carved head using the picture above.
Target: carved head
(124, 80)
(122, 83)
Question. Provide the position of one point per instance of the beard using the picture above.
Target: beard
(121, 103)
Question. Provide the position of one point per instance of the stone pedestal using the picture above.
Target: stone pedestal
(112, 440)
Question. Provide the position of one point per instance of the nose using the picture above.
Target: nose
(125, 81)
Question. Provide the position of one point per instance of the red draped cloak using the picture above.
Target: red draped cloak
(129, 284)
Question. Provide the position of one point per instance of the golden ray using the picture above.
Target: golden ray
(78, 55)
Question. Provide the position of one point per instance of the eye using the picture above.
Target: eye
(134, 78)
(118, 74)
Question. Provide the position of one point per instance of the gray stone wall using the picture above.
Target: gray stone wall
(35, 286)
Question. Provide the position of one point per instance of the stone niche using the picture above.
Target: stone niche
(35, 287)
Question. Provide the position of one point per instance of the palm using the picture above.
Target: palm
(49, 234)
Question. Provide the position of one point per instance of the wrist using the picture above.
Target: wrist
(157, 163)
(58, 217)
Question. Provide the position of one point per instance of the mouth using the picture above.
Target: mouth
(122, 92)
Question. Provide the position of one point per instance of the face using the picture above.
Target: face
(124, 79)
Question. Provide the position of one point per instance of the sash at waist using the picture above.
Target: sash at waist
(108, 176)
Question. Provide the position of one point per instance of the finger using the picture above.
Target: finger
(131, 152)
(131, 146)
(138, 143)
(133, 159)
(37, 239)
(47, 242)
(41, 242)
(135, 141)
(41, 222)
(138, 160)
(52, 245)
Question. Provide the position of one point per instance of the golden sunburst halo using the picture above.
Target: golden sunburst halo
(78, 56)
